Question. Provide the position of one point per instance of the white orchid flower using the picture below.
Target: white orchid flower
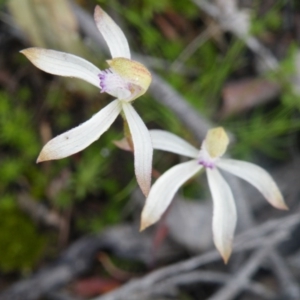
(125, 79)
(210, 158)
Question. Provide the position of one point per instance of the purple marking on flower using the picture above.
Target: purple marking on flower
(114, 84)
(207, 164)
(103, 76)
(205, 159)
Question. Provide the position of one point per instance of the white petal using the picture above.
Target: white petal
(256, 176)
(63, 64)
(112, 33)
(142, 145)
(224, 213)
(164, 189)
(164, 140)
(82, 136)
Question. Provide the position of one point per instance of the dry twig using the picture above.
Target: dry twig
(39, 212)
(209, 277)
(234, 20)
(243, 242)
(241, 278)
(289, 286)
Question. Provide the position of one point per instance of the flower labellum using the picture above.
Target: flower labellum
(125, 79)
(216, 142)
(213, 147)
(137, 76)
(210, 158)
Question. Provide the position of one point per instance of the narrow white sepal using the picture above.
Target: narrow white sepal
(164, 140)
(143, 150)
(81, 136)
(224, 213)
(256, 176)
(164, 189)
(63, 64)
(112, 33)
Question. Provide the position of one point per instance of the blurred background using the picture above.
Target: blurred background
(229, 63)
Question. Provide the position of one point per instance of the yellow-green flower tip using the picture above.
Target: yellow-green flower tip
(216, 142)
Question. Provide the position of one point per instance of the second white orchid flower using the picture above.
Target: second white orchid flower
(209, 157)
(125, 79)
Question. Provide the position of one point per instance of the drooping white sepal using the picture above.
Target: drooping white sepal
(143, 150)
(164, 189)
(224, 213)
(81, 136)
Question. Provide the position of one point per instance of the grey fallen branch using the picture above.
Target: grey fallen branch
(289, 286)
(121, 240)
(211, 277)
(243, 242)
(240, 280)
(60, 296)
(75, 261)
(165, 94)
(79, 258)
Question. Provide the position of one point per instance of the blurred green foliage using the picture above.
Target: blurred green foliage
(272, 20)
(18, 138)
(21, 245)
